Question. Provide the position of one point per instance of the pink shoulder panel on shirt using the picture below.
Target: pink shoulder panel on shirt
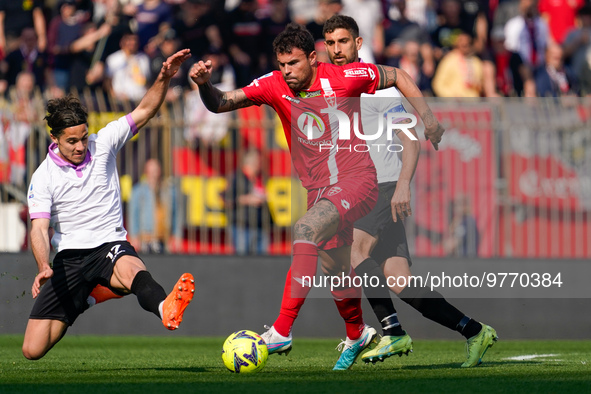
(132, 124)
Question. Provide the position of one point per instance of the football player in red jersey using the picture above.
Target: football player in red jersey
(341, 182)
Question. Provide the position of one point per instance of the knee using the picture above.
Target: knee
(398, 288)
(362, 247)
(397, 283)
(31, 353)
(358, 256)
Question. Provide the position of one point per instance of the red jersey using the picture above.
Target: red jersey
(320, 157)
(562, 16)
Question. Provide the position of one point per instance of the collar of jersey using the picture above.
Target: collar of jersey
(63, 163)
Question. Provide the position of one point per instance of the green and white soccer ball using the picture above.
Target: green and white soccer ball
(244, 351)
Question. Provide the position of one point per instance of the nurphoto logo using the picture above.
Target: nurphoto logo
(313, 127)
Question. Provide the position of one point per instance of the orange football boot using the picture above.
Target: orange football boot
(176, 302)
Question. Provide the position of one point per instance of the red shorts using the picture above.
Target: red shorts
(354, 198)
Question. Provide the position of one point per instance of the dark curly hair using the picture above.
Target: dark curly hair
(63, 113)
(341, 22)
(294, 36)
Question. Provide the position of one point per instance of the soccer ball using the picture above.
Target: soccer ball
(244, 351)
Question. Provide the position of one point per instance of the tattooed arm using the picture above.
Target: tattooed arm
(214, 99)
(392, 76)
(217, 101)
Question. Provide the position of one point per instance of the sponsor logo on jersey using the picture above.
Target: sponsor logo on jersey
(362, 72)
(306, 95)
(345, 204)
(320, 144)
(311, 125)
(290, 99)
(256, 81)
(334, 190)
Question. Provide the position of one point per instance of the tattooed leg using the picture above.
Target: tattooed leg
(318, 224)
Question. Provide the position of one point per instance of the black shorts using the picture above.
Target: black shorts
(378, 223)
(75, 273)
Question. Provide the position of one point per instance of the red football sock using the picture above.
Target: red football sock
(305, 261)
(102, 293)
(348, 300)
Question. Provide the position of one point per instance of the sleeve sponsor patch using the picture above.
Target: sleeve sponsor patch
(360, 72)
(256, 81)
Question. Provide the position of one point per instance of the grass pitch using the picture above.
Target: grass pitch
(87, 364)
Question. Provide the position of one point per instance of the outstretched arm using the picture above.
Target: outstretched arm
(40, 28)
(214, 99)
(154, 97)
(392, 76)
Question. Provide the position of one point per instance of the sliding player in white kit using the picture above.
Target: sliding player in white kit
(379, 245)
(76, 192)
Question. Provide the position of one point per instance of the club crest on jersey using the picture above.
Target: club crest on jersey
(331, 98)
(306, 95)
(311, 125)
(334, 190)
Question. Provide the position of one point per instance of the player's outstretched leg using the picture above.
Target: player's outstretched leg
(276, 343)
(177, 301)
(352, 348)
(389, 346)
(478, 345)
(434, 307)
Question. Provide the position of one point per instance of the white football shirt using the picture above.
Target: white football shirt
(83, 202)
(387, 161)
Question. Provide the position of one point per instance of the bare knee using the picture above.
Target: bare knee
(363, 244)
(41, 336)
(357, 257)
(35, 349)
(31, 353)
(397, 289)
(397, 272)
(124, 271)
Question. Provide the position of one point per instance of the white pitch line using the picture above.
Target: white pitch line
(530, 357)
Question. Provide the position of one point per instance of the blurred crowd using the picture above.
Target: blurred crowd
(452, 48)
